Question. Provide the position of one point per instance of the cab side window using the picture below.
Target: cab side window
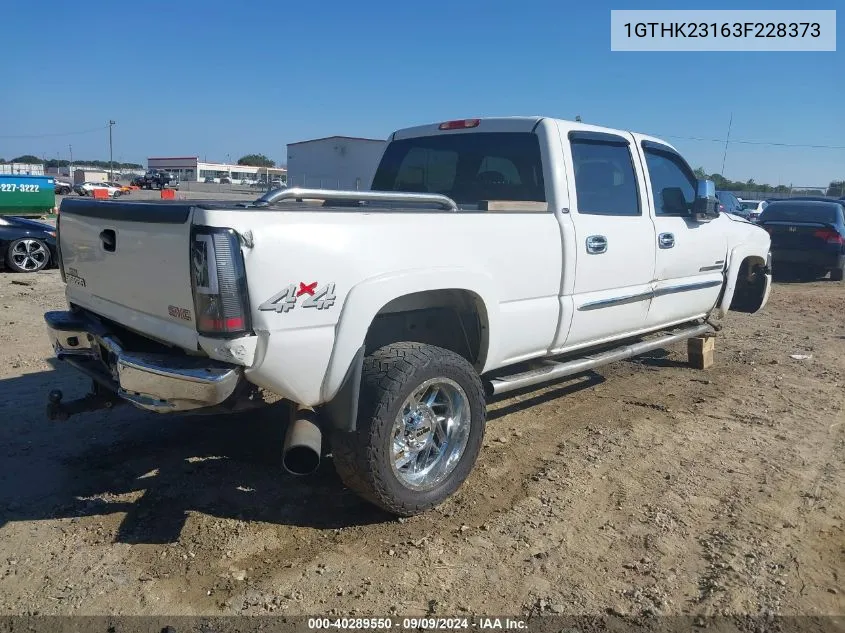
(605, 181)
(672, 184)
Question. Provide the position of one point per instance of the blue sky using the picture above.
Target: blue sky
(219, 78)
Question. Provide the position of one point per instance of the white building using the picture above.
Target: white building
(191, 168)
(334, 162)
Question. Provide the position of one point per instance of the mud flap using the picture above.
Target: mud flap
(342, 411)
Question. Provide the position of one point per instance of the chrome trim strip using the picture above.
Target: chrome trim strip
(697, 285)
(616, 301)
(704, 269)
(651, 294)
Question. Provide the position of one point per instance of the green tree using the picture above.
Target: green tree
(256, 160)
(836, 188)
(28, 158)
(700, 173)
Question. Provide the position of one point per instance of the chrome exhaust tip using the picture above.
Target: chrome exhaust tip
(303, 444)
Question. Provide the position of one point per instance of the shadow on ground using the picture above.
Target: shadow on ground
(156, 468)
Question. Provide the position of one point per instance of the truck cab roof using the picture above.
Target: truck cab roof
(510, 124)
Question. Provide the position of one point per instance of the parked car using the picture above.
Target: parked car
(753, 207)
(225, 180)
(125, 190)
(26, 246)
(549, 263)
(210, 179)
(62, 187)
(729, 203)
(87, 189)
(808, 237)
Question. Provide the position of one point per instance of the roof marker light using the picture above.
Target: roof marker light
(460, 124)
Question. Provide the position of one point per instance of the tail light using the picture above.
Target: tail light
(460, 124)
(218, 281)
(829, 236)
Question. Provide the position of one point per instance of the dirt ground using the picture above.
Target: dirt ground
(644, 488)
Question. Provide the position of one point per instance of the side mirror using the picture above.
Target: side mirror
(706, 204)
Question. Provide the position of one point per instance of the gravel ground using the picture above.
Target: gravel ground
(644, 488)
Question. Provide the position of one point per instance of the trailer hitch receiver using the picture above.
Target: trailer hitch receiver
(98, 398)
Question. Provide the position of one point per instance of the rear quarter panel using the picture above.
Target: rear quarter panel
(511, 261)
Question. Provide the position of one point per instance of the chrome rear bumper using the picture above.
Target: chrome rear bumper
(156, 382)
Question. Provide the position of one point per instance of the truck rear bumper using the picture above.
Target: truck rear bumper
(156, 382)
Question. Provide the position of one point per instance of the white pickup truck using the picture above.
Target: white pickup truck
(489, 255)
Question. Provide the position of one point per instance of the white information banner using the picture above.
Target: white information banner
(722, 30)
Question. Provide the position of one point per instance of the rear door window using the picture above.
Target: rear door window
(605, 182)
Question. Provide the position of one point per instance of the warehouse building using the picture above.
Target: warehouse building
(191, 168)
(334, 162)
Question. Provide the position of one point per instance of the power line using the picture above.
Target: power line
(746, 142)
(98, 129)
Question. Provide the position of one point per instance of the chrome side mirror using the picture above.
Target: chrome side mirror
(706, 204)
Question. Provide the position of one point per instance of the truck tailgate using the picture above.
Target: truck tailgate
(129, 261)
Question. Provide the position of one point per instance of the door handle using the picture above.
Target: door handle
(666, 240)
(596, 244)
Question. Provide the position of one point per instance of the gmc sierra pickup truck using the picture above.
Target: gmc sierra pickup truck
(488, 255)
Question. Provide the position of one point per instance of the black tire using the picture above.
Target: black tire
(838, 274)
(30, 264)
(390, 375)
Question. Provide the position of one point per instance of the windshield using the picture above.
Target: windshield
(468, 167)
(797, 212)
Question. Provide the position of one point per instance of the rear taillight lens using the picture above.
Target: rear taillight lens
(831, 237)
(218, 280)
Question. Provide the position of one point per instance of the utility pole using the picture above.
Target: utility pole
(70, 167)
(111, 165)
(728, 138)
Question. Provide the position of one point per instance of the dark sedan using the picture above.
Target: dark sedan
(808, 236)
(26, 246)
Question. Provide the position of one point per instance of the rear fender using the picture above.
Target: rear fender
(366, 299)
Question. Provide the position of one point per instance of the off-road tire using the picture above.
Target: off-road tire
(362, 457)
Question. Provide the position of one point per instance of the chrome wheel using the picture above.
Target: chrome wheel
(29, 255)
(430, 434)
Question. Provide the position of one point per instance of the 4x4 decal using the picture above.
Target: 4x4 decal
(320, 297)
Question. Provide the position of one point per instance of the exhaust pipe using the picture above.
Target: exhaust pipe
(303, 443)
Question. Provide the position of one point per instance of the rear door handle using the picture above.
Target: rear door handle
(596, 244)
(666, 240)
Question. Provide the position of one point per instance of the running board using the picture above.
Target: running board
(549, 370)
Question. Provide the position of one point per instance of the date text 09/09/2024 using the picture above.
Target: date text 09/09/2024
(423, 623)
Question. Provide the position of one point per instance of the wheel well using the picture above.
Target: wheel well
(750, 285)
(453, 319)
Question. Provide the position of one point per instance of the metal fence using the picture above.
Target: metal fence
(794, 192)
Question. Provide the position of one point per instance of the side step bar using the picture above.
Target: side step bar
(549, 370)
